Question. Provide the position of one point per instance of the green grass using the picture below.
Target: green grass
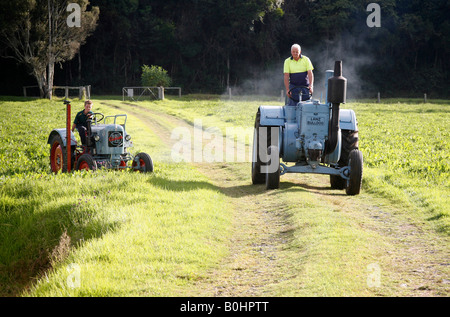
(166, 228)
(406, 148)
(128, 234)
(213, 111)
(405, 145)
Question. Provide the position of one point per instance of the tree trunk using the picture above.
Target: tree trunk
(51, 74)
(79, 65)
(228, 71)
(41, 78)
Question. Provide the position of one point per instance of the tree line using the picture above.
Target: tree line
(208, 46)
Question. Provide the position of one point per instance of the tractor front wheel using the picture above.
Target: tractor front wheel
(355, 161)
(86, 162)
(143, 163)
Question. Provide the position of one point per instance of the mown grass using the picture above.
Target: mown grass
(122, 233)
(406, 160)
(150, 235)
(329, 249)
(405, 144)
(126, 234)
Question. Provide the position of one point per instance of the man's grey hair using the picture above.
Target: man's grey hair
(297, 46)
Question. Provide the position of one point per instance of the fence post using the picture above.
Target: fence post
(24, 91)
(425, 98)
(378, 98)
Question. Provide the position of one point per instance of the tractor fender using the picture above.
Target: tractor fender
(347, 120)
(333, 157)
(271, 116)
(62, 134)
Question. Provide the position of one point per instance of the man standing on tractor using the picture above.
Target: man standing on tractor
(80, 121)
(298, 76)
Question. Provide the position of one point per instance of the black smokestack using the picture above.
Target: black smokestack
(337, 90)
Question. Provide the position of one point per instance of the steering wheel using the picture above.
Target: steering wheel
(94, 117)
(309, 95)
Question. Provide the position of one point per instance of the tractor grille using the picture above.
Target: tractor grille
(115, 138)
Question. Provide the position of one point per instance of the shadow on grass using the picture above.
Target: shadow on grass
(237, 191)
(321, 190)
(181, 186)
(32, 239)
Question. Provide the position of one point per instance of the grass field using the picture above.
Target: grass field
(130, 234)
(405, 144)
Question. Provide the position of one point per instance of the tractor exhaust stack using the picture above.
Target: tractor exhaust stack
(68, 130)
(337, 90)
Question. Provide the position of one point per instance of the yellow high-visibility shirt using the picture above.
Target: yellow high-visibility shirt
(298, 70)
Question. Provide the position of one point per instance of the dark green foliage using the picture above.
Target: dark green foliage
(154, 76)
(207, 46)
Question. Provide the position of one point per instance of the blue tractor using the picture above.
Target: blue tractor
(317, 138)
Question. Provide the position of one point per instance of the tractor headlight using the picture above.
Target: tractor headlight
(128, 137)
(96, 138)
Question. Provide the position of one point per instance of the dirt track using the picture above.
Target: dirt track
(261, 229)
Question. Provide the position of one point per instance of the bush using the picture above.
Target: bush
(154, 76)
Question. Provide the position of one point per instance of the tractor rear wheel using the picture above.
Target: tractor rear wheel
(257, 176)
(58, 157)
(86, 162)
(145, 163)
(273, 178)
(337, 182)
(349, 143)
(355, 162)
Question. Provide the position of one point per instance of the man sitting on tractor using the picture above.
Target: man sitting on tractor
(80, 121)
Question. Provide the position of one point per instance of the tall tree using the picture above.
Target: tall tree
(38, 34)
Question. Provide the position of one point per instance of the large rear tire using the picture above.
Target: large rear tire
(337, 182)
(262, 146)
(273, 178)
(349, 142)
(58, 156)
(257, 176)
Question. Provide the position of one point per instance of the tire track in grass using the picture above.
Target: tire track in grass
(260, 229)
(412, 257)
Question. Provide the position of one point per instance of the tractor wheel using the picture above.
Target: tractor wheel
(273, 178)
(257, 176)
(349, 143)
(337, 182)
(86, 162)
(145, 163)
(58, 158)
(355, 162)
